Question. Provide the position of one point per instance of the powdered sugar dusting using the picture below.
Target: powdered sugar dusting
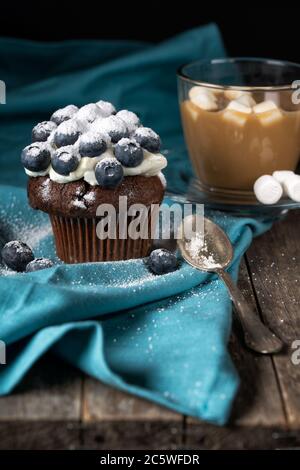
(89, 112)
(131, 119)
(79, 203)
(113, 124)
(199, 252)
(90, 197)
(106, 108)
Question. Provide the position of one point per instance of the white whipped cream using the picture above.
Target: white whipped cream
(38, 173)
(86, 164)
(151, 165)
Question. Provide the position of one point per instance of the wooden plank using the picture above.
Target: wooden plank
(274, 261)
(39, 435)
(115, 420)
(50, 391)
(44, 410)
(207, 437)
(258, 403)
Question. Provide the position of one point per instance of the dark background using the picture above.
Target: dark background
(247, 29)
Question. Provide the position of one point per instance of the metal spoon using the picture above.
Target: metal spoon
(213, 254)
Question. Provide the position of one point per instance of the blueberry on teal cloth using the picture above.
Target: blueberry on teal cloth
(16, 255)
(39, 263)
(162, 261)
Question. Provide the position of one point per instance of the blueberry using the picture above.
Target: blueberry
(106, 108)
(42, 130)
(148, 139)
(162, 261)
(115, 127)
(64, 114)
(109, 173)
(65, 160)
(131, 119)
(16, 255)
(92, 144)
(38, 264)
(67, 133)
(129, 152)
(36, 157)
(89, 112)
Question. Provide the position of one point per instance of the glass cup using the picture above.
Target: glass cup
(241, 120)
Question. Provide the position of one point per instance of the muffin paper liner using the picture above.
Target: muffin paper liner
(77, 242)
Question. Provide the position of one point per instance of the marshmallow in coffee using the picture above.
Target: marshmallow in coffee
(203, 98)
(234, 136)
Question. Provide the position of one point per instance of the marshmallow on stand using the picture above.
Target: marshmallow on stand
(282, 175)
(267, 190)
(291, 187)
(290, 183)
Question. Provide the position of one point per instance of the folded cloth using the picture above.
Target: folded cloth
(163, 338)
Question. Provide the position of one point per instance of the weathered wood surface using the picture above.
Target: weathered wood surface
(56, 407)
(274, 266)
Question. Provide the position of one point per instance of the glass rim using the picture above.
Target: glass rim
(184, 76)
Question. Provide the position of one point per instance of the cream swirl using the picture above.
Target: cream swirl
(151, 165)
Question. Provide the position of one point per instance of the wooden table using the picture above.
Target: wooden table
(57, 407)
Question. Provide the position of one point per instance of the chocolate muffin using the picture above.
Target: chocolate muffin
(92, 170)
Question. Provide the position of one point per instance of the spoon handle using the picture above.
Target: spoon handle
(257, 336)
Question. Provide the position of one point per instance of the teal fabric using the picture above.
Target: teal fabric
(163, 338)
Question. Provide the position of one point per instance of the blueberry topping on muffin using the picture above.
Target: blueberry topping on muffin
(67, 133)
(65, 160)
(16, 255)
(109, 173)
(162, 261)
(39, 263)
(106, 108)
(89, 112)
(148, 139)
(92, 144)
(36, 157)
(129, 152)
(42, 130)
(63, 114)
(131, 120)
(115, 127)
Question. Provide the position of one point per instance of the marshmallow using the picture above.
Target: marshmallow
(233, 94)
(239, 107)
(264, 107)
(291, 186)
(194, 113)
(267, 112)
(195, 91)
(247, 100)
(203, 98)
(267, 190)
(235, 118)
(282, 175)
(236, 113)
